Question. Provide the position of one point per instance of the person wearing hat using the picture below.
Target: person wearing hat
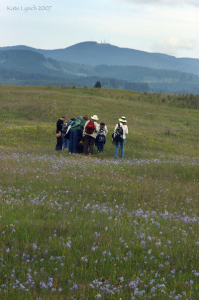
(76, 133)
(89, 134)
(121, 141)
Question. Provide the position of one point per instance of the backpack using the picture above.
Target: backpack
(77, 122)
(90, 127)
(65, 126)
(118, 134)
(67, 132)
(101, 138)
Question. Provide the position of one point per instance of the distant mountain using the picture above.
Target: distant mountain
(92, 53)
(27, 67)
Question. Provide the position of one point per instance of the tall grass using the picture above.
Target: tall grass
(97, 228)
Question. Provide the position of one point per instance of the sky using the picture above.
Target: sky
(162, 26)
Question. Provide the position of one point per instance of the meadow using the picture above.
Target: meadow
(75, 227)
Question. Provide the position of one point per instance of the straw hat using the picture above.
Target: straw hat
(123, 119)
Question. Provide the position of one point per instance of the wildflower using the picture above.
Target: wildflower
(84, 259)
(178, 296)
(152, 281)
(21, 287)
(69, 244)
(191, 282)
(94, 248)
(50, 284)
(43, 285)
(158, 243)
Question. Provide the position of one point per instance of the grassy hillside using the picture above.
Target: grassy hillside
(75, 227)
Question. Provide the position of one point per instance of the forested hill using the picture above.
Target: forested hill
(27, 67)
(29, 62)
(92, 53)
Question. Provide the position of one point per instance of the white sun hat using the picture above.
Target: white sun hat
(94, 117)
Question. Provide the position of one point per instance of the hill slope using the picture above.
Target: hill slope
(92, 53)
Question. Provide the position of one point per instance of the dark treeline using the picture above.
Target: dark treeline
(114, 83)
(13, 77)
(144, 74)
(180, 88)
(10, 74)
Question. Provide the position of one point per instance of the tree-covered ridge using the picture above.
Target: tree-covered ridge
(29, 62)
(29, 66)
(133, 73)
(93, 54)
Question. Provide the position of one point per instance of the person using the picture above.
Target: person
(80, 146)
(65, 139)
(59, 124)
(76, 133)
(89, 138)
(100, 140)
(121, 141)
(102, 125)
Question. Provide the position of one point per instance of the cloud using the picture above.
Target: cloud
(172, 44)
(165, 2)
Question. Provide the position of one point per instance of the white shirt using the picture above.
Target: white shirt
(125, 129)
(104, 128)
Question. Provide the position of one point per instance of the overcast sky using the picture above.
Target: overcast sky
(164, 26)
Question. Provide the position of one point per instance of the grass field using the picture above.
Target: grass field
(75, 227)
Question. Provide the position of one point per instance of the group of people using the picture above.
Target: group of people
(81, 135)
